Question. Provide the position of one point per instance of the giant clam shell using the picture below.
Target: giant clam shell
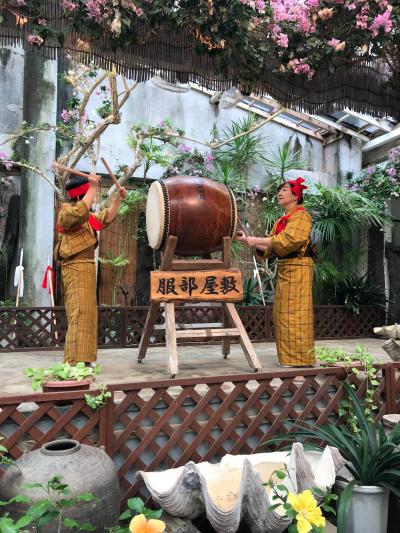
(232, 490)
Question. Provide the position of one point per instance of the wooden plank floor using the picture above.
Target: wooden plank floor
(120, 364)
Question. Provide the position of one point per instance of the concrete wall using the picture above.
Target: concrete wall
(193, 113)
(28, 85)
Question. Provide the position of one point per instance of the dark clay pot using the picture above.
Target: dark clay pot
(66, 386)
(84, 468)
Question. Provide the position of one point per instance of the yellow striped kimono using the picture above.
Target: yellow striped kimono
(293, 315)
(75, 249)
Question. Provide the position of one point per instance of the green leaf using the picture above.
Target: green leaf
(136, 504)
(47, 518)
(23, 521)
(152, 513)
(344, 506)
(38, 509)
(280, 474)
(87, 526)
(70, 522)
(273, 507)
(7, 525)
(19, 498)
(86, 497)
(125, 515)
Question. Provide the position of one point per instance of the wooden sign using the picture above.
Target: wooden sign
(201, 285)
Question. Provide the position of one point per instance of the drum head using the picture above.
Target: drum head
(155, 215)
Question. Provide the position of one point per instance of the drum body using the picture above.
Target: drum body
(199, 211)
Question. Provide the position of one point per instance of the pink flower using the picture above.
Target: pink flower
(299, 66)
(5, 160)
(139, 11)
(279, 37)
(95, 9)
(337, 44)
(42, 22)
(21, 2)
(260, 5)
(351, 6)
(35, 39)
(65, 116)
(68, 5)
(381, 21)
(312, 3)
(184, 149)
(326, 13)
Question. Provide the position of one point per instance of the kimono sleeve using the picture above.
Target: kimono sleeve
(72, 216)
(101, 216)
(294, 236)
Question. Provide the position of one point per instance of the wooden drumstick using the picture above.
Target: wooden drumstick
(58, 166)
(111, 174)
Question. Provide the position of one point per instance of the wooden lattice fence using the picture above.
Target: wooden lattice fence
(30, 328)
(164, 424)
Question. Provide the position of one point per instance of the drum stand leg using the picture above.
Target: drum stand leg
(170, 337)
(244, 340)
(166, 262)
(148, 330)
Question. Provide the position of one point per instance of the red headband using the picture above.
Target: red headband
(297, 187)
(78, 191)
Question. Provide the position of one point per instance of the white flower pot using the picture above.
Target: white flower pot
(368, 511)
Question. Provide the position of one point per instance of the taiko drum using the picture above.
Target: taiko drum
(199, 211)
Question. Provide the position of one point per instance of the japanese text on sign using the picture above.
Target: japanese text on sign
(223, 285)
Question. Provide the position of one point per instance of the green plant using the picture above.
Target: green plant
(98, 401)
(302, 508)
(61, 372)
(115, 262)
(379, 182)
(361, 361)
(242, 151)
(46, 511)
(371, 457)
(355, 293)
(338, 213)
(135, 506)
(251, 292)
(134, 200)
(285, 159)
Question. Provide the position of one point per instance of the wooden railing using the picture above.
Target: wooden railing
(164, 424)
(31, 328)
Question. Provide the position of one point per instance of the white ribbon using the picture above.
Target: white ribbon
(19, 277)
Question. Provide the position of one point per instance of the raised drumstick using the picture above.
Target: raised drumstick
(111, 174)
(58, 166)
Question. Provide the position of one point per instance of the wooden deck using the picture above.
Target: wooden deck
(120, 365)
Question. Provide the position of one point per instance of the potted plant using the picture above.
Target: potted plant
(62, 377)
(372, 460)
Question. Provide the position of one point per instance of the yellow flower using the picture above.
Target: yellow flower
(139, 524)
(308, 512)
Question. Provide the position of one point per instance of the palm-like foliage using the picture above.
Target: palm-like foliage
(372, 457)
(244, 150)
(339, 213)
(285, 159)
(225, 172)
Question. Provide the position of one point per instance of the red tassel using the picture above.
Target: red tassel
(44, 282)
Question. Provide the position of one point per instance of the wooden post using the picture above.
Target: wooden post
(170, 336)
(166, 261)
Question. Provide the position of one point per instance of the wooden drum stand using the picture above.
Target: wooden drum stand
(203, 280)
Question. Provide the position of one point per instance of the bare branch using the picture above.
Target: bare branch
(42, 174)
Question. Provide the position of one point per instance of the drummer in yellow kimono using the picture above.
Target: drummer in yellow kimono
(289, 242)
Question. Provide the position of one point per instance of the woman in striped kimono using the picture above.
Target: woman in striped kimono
(77, 239)
(289, 242)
